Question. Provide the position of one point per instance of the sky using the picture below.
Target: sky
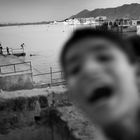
(46, 10)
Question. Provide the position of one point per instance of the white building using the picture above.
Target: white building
(101, 18)
(135, 22)
(87, 21)
(71, 21)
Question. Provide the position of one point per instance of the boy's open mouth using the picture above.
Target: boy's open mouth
(100, 93)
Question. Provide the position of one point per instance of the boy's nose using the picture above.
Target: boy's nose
(91, 68)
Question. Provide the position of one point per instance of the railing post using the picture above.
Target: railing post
(31, 72)
(51, 74)
(14, 68)
(30, 67)
(12, 50)
(61, 75)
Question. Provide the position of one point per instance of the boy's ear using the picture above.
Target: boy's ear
(137, 73)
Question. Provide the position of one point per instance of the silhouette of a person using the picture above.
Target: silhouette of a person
(1, 49)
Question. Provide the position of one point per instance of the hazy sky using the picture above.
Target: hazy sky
(42, 10)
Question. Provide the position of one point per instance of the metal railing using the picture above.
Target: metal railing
(53, 77)
(15, 68)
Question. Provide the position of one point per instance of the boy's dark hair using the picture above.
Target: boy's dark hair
(80, 34)
(135, 42)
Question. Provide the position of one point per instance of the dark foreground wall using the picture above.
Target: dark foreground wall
(18, 122)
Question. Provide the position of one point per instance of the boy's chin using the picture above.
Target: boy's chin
(117, 131)
(114, 131)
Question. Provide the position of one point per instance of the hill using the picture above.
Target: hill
(128, 10)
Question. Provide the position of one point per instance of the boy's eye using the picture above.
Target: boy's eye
(104, 58)
(74, 70)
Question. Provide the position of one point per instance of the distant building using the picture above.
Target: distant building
(82, 20)
(123, 22)
(127, 22)
(89, 20)
(101, 18)
(71, 21)
(86, 21)
(135, 22)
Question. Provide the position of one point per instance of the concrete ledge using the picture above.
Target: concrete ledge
(16, 81)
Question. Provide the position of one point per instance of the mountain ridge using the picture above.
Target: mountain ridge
(131, 11)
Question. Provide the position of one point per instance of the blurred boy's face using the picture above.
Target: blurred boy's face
(101, 80)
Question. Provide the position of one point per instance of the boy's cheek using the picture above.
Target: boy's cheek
(72, 86)
(71, 82)
(75, 91)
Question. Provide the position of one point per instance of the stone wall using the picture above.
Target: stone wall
(16, 81)
(18, 122)
(43, 114)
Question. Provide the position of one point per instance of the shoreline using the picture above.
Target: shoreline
(22, 24)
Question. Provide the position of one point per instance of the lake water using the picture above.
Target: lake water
(44, 41)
